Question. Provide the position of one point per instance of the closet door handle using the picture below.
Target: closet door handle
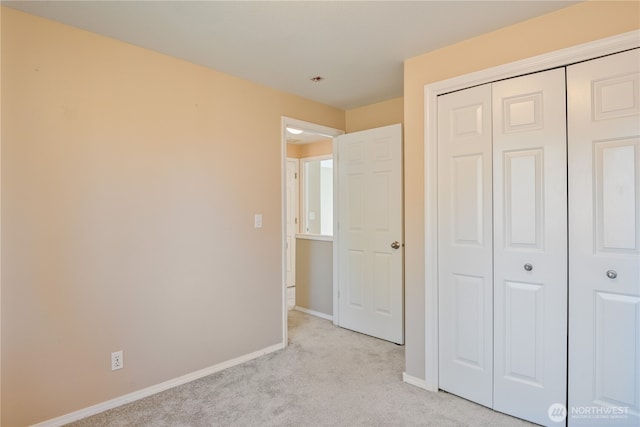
(611, 274)
(528, 267)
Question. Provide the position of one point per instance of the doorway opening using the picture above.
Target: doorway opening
(307, 220)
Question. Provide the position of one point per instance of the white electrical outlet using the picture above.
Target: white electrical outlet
(116, 360)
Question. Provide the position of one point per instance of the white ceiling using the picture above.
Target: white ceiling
(357, 46)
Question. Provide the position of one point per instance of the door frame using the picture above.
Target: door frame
(311, 127)
(296, 208)
(538, 63)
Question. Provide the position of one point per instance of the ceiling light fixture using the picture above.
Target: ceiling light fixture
(294, 131)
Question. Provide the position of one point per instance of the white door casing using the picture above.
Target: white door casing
(604, 237)
(465, 244)
(292, 219)
(530, 244)
(369, 221)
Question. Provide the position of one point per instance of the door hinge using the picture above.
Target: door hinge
(296, 221)
(295, 175)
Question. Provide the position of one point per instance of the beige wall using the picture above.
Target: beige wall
(314, 275)
(375, 115)
(129, 184)
(293, 151)
(300, 151)
(567, 27)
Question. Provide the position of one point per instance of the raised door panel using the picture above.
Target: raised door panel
(604, 261)
(523, 199)
(469, 334)
(354, 227)
(616, 193)
(524, 333)
(355, 275)
(467, 197)
(616, 369)
(530, 244)
(465, 244)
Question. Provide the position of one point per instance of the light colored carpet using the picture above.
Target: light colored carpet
(327, 376)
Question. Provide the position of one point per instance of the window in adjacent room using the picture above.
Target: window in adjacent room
(317, 195)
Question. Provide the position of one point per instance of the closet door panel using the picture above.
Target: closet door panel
(604, 240)
(530, 244)
(465, 244)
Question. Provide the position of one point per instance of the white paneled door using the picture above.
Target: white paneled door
(465, 244)
(530, 244)
(370, 234)
(604, 237)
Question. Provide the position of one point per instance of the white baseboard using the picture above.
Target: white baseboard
(415, 381)
(314, 313)
(136, 395)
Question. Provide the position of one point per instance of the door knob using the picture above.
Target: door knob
(611, 274)
(528, 267)
(395, 245)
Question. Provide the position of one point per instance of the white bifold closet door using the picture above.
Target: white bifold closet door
(465, 244)
(502, 242)
(604, 240)
(530, 245)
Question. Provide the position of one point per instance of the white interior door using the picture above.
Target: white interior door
(604, 237)
(530, 244)
(370, 234)
(465, 244)
(292, 219)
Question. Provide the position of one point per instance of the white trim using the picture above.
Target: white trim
(146, 392)
(555, 59)
(334, 249)
(296, 208)
(283, 225)
(321, 130)
(415, 381)
(319, 237)
(313, 313)
(309, 127)
(431, 245)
